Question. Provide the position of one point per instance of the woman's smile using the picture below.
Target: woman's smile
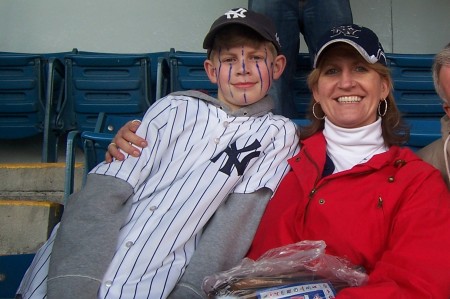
(349, 99)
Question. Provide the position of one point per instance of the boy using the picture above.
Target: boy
(132, 229)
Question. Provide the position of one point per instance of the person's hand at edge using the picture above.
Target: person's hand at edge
(125, 139)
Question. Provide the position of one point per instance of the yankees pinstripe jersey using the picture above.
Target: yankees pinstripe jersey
(198, 154)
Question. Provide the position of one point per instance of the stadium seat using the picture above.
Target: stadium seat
(104, 83)
(21, 95)
(110, 83)
(12, 269)
(187, 72)
(413, 84)
(424, 130)
(95, 144)
(28, 91)
(416, 97)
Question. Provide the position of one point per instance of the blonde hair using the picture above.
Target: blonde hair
(238, 35)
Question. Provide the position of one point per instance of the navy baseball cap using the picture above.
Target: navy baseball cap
(364, 40)
(258, 22)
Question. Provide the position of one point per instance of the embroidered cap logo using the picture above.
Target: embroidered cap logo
(234, 14)
(347, 31)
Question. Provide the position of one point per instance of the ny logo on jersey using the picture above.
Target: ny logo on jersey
(236, 13)
(232, 152)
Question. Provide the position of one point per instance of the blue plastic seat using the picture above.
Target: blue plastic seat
(29, 88)
(12, 270)
(95, 144)
(416, 97)
(413, 85)
(115, 84)
(22, 95)
(109, 84)
(424, 130)
(187, 72)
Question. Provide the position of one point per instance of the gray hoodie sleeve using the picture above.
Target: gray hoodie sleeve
(225, 241)
(87, 237)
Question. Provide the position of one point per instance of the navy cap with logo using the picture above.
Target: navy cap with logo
(258, 22)
(364, 40)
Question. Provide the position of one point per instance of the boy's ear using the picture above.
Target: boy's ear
(279, 64)
(210, 70)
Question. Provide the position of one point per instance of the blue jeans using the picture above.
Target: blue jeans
(312, 18)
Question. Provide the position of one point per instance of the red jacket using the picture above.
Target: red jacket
(390, 215)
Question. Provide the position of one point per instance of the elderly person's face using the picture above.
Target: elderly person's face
(348, 90)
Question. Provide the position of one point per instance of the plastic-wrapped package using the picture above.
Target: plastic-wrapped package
(291, 271)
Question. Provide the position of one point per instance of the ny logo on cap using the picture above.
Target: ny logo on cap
(347, 31)
(234, 14)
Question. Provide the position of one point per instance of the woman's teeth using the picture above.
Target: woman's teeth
(349, 99)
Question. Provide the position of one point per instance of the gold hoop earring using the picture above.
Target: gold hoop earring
(314, 111)
(385, 107)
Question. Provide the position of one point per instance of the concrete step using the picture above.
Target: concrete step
(31, 203)
(37, 181)
(26, 224)
(31, 194)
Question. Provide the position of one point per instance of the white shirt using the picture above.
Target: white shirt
(348, 147)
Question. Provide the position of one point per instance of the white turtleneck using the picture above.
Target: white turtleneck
(348, 147)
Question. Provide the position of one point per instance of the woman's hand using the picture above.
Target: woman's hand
(125, 139)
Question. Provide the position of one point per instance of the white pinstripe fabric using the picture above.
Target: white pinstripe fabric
(178, 188)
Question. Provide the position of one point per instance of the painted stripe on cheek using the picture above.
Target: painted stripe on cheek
(229, 80)
(268, 72)
(260, 76)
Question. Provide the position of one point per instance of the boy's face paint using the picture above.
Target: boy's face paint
(244, 74)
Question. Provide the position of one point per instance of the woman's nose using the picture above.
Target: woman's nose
(346, 80)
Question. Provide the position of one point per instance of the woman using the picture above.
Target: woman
(353, 185)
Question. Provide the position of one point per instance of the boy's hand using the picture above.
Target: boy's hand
(125, 139)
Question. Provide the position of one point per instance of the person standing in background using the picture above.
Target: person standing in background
(312, 18)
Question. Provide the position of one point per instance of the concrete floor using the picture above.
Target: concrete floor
(29, 150)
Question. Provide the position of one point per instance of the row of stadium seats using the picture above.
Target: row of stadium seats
(53, 94)
(181, 70)
(64, 93)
